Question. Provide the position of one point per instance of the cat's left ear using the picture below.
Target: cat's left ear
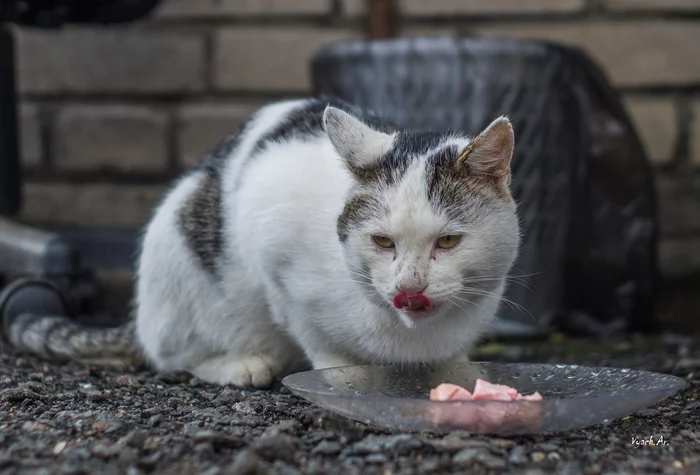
(491, 152)
(358, 144)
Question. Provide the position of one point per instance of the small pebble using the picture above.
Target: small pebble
(518, 455)
(246, 462)
(58, 448)
(465, 457)
(135, 439)
(376, 458)
(492, 462)
(275, 447)
(502, 443)
(154, 421)
(327, 448)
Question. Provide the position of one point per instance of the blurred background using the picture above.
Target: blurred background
(111, 114)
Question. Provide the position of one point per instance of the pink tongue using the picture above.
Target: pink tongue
(411, 302)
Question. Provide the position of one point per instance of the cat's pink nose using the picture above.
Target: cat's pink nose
(411, 290)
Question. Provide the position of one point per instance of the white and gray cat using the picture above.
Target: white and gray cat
(320, 233)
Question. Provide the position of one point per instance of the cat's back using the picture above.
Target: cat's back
(284, 158)
(278, 128)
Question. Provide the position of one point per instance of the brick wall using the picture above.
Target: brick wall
(110, 115)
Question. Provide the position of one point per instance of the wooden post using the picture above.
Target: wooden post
(381, 18)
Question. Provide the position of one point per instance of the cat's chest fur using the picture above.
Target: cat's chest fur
(266, 256)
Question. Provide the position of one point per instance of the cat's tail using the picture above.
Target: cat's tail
(58, 338)
(32, 312)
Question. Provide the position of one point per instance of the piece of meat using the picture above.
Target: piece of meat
(497, 392)
(534, 397)
(450, 392)
(483, 391)
(491, 415)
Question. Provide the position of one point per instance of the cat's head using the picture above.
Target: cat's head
(430, 226)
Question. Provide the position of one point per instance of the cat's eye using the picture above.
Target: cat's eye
(383, 241)
(448, 242)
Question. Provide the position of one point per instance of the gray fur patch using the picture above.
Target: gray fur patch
(454, 190)
(390, 169)
(61, 339)
(307, 121)
(357, 209)
(201, 221)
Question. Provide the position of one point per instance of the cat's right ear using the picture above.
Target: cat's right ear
(358, 144)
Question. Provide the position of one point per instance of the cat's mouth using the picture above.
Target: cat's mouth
(415, 306)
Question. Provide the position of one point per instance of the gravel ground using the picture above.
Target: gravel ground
(78, 419)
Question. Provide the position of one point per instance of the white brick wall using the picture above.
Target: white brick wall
(695, 136)
(633, 53)
(98, 204)
(430, 8)
(679, 205)
(659, 5)
(509, 7)
(109, 60)
(269, 58)
(215, 9)
(656, 121)
(31, 147)
(117, 137)
(201, 126)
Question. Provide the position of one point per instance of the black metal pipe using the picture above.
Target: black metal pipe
(10, 171)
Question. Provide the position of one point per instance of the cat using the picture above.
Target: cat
(318, 234)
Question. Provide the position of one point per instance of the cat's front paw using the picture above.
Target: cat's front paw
(248, 371)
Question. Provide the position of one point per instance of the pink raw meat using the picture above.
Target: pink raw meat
(483, 391)
(450, 392)
(534, 397)
(497, 392)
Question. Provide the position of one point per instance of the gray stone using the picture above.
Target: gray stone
(136, 439)
(376, 458)
(218, 440)
(491, 461)
(107, 451)
(466, 457)
(501, 443)
(275, 447)
(518, 456)
(327, 448)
